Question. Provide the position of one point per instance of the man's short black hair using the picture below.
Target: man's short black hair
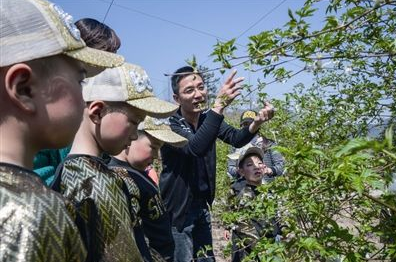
(179, 74)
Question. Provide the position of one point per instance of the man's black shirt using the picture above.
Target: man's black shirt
(178, 180)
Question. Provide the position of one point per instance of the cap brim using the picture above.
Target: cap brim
(251, 150)
(254, 150)
(233, 156)
(96, 60)
(154, 107)
(168, 136)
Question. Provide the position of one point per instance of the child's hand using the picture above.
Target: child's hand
(268, 171)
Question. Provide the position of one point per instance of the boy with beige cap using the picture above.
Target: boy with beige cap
(154, 221)
(117, 100)
(43, 62)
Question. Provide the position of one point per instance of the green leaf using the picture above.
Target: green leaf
(356, 145)
(310, 244)
(290, 13)
(332, 22)
(357, 184)
(192, 62)
(389, 136)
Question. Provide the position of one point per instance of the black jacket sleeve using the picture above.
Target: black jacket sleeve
(235, 137)
(200, 142)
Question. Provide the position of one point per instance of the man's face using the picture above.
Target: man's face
(143, 151)
(118, 127)
(252, 169)
(192, 94)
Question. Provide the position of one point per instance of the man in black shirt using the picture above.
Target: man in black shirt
(187, 181)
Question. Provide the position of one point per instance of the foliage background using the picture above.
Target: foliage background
(337, 134)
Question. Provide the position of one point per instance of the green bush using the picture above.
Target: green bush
(337, 134)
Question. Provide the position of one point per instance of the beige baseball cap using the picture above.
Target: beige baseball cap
(127, 83)
(33, 29)
(160, 129)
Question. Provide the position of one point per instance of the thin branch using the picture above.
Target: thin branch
(378, 201)
(284, 46)
(273, 65)
(392, 155)
(345, 56)
(277, 80)
(322, 32)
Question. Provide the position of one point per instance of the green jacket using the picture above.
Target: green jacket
(46, 161)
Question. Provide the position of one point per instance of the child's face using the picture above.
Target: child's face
(252, 170)
(60, 103)
(118, 127)
(143, 151)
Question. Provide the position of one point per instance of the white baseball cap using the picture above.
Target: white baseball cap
(33, 29)
(127, 83)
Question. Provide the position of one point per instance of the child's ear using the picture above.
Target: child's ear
(240, 171)
(96, 111)
(18, 86)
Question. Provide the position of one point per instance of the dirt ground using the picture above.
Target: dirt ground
(219, 243)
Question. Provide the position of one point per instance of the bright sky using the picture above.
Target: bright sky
(160, 35)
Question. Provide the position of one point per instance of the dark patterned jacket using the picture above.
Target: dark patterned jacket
(153, 220)
(34, 223)
(103, 209)
(245, 233)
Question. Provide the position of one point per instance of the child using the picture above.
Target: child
(43, 62)
(95, 35)
(272, 158)
(155, 221)
(245, 234)
(117, 101)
